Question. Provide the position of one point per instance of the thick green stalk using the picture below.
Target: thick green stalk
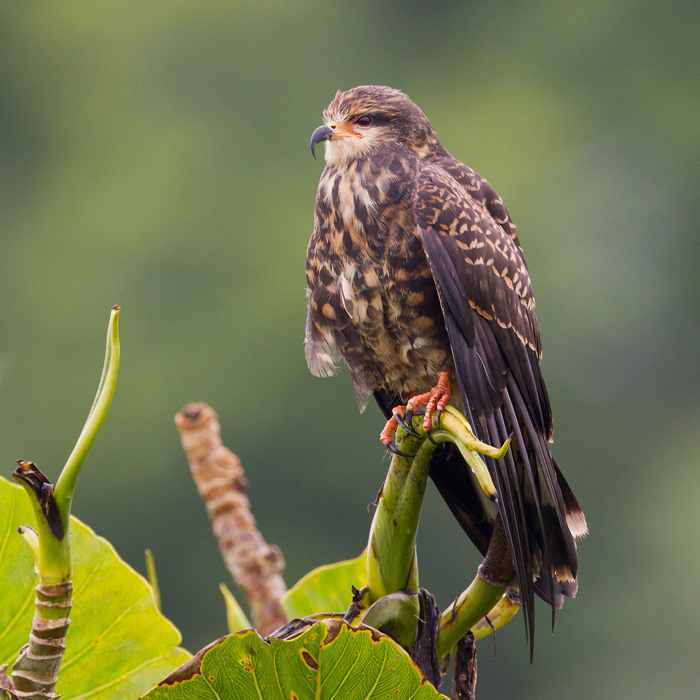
(395, 614)
(391, 552)
(483, 595)
(35, 672)
(391, 557)
(471, 605)
(52, 545)
(504, 611)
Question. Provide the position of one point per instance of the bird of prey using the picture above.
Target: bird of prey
(416, 278)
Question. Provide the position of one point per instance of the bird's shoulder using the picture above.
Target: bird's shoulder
(480, 190)
(447, 183)
(466, 225)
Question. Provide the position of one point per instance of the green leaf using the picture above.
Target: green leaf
(327, 588)
(118, 644)
(236, 619)
(328, 660)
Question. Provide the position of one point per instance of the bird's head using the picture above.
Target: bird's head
(362, 120)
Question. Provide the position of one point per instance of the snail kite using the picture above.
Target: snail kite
(416, 278)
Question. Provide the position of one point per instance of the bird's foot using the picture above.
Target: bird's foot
(434, 400)
(428, 404)
(398, 419)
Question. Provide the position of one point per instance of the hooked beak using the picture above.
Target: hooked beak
(323, 133)
(334, 130)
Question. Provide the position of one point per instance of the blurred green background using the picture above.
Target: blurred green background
(156, 155)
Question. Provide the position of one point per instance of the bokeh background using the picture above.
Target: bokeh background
(156, 155)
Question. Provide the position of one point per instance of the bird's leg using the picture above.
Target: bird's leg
(434, 400)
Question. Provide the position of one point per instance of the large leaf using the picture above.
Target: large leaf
(329, 660)
(118, 644)
(327, 588)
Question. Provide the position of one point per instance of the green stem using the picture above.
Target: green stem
(486, 590)
(471, 605)
(504, 611)
(391, 553)
(153, 577)
(35, 672)
(65, 486)
(51, 547)
(396, 615)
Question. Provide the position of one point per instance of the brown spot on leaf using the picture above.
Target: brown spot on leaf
(333, 628)
(309, 660)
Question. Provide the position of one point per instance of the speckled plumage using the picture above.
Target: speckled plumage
(414, 267)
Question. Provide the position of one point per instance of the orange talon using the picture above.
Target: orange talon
(387, 435)
(434, 400)
(437, 398)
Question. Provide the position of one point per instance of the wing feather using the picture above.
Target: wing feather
(487, 303)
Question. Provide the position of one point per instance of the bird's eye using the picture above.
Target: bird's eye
(364, 120)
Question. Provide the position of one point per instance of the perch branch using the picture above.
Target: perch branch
(255, 565)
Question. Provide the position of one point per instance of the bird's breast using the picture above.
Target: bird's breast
(380, 304)
(354, 204)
